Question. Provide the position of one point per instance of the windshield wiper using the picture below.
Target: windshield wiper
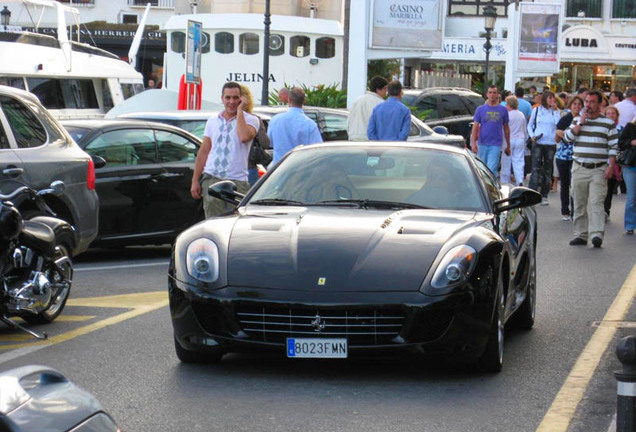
(366, 203)
(276, 201)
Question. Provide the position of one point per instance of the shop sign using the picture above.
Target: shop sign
(406, 24)
(469, 49)
(583, 40)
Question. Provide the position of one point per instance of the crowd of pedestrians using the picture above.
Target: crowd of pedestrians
(572, 140)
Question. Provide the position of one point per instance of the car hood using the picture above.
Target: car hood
(338, 249)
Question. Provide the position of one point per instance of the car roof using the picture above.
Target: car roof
(383, 144)
(170, 115)
(12, 91)
(459, 90)
(112, 124)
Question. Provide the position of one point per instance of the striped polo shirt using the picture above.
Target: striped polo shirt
(596, 141)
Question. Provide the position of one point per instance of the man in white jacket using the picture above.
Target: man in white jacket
(362, 108)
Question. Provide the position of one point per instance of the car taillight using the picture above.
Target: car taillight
(90, 178)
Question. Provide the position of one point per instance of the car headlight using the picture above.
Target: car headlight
(202, 259)
(455, 267)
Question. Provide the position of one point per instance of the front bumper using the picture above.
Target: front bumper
(236, 319)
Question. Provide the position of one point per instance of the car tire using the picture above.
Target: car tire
(48, 315)
(188, 356)
(492, 358)
(525, 315)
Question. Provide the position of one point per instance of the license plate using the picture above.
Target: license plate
(317, 348)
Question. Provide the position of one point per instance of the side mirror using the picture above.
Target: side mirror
(226, 190)
(98, 161)
(519, 197)
(442, 130)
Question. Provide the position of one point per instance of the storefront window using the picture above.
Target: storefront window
(624, 9)
(585, 8)
(476, 7)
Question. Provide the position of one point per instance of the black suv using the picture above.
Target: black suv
(451, 107)
(36, 150)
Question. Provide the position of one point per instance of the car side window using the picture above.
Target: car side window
(427, 108)
(175, 148)
(125, 147)
(26, 128)
(415, 131)
(335, 127)
(451, 105)
(4, 142)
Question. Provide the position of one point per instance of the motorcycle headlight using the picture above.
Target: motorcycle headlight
(455, 267)
(202, 259)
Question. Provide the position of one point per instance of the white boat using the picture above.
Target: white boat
(303, 51)
(71, 79)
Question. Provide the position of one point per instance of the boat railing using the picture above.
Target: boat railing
(78, 2)
(159, 4)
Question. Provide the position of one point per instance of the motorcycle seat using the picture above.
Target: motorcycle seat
(38, 236)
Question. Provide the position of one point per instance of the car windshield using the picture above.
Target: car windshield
(372, 177)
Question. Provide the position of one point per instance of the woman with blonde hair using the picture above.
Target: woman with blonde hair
(518, 135)
(260, 138)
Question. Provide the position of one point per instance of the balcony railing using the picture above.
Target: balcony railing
(161, 4)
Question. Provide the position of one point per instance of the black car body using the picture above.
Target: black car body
(35, 150)
(144, 187)
(451, 107)
(335, 242)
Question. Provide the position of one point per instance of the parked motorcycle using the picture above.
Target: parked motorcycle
(36, 269)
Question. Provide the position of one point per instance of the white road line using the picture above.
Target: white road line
(14, 354)
(122, 266)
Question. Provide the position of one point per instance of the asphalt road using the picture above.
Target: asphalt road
(115, 340)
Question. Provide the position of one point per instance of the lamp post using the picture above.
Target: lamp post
(267, 22)
(6, 16)
(490, 16)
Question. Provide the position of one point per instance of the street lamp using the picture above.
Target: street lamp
(490, 16)
(6, 16)
(265, 91)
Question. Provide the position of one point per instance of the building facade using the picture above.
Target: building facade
(597, 44)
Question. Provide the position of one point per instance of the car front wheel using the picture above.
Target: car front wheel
(492, 359)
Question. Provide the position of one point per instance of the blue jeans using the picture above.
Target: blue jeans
(490, 155)
(542, 163)
(629, 175)
(565, 177)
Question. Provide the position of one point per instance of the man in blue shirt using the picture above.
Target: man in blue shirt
(390, 120)
(292, 128)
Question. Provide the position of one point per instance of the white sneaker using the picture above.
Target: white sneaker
(544, 202)
(566, 218)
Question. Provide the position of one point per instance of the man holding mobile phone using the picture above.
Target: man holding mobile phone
(594, 139)
(225, 149)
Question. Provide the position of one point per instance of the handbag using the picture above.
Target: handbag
(627, 157)
(258, 155)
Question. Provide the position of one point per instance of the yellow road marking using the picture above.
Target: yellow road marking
(139, 303)
(558, 417)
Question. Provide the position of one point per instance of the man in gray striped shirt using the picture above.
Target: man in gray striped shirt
(595, 138)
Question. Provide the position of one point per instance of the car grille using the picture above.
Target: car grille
(361, 326)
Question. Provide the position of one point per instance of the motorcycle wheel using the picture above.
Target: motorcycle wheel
(59, 300)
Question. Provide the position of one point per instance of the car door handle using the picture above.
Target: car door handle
(157, 177)
(13, 171)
